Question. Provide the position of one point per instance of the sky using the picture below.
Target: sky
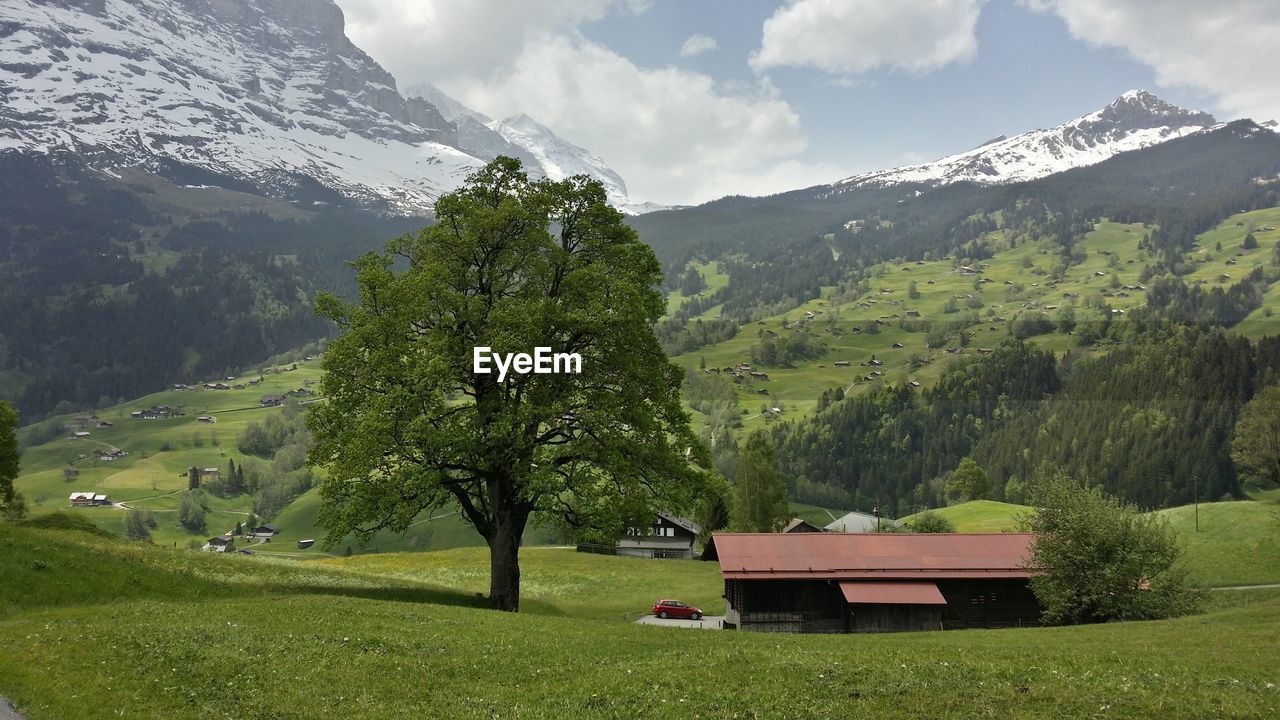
(691, 100)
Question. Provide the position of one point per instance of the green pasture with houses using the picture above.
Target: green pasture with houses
(1015, 280)
(144, 631)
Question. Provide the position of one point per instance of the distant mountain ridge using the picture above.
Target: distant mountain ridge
(1135, 120)
(268, 93)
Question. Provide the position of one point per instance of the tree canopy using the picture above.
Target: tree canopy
(1102, 560)
(1256, 447)
(511, 264)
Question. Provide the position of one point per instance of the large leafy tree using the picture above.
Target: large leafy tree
(1100, 559)
(1256, 446)
(512, 264)
(8, 455)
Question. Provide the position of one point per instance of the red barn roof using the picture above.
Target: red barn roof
(891, 592)
(889, 556)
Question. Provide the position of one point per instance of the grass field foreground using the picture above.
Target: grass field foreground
(244, 637)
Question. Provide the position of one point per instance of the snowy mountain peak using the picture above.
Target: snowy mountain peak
(269, 94)
(560, 158)
(1136, 119)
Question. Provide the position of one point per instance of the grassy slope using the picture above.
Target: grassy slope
(559, 581)
(149, 477)
(1238, 542)
(796, 389)
(715, 281)
(236, 637)
(982, 516)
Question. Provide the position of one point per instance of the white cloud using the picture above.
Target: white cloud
(675, 136)
(849, 37)
(1227, 48)
(420, 40)
(698, 44)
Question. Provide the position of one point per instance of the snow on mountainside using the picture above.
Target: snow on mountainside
(559, 159)
(1136, 119)
(266, 92)
(533, 143)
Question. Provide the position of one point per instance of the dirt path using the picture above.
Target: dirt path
(1248, 587)
(122, 506)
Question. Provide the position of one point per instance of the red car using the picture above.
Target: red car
(676, 609)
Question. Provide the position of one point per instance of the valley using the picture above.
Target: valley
(343, 374)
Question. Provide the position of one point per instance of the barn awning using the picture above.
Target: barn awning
(892, 593)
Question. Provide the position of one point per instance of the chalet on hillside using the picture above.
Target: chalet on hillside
(265, 531)
(881, 582)
(272, 400)
(221, 543)
(89, 499)
(668, 537)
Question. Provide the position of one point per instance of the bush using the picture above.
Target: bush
(930, 522)
(1102, 560)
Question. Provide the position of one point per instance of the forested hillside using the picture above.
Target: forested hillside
(110, 290)
(1143, 420)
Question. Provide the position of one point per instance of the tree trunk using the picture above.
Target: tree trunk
(504, 561)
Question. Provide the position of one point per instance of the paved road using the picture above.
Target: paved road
(1248, 587)
(7, 712)
(710, 622)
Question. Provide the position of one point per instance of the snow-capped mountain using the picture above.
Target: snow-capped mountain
(1135, 120)
(268, 93)
(534, 144)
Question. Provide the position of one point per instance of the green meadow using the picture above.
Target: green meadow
(95, 627)
(1237, 543)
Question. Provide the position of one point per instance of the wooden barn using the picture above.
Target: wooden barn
(892, 582)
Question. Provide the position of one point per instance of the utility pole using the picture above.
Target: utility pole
(1196, 478)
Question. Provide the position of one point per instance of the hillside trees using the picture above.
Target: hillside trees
(512, 264)
(1100, 559)
(1141, 420)
(968, 481)
(759, 494)
(886, 445)
(1256, 445)
(138, 524)
(9, 498)
(191, 511)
